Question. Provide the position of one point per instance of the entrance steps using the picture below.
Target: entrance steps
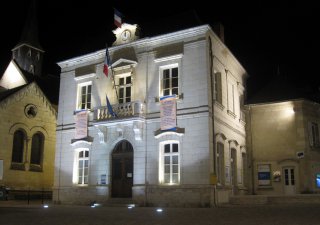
(119, 202)
(274, 199)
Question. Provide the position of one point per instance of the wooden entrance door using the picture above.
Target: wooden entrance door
(122, 170)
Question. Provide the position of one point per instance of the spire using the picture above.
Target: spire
(30, 32)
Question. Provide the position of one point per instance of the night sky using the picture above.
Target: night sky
(266, 37)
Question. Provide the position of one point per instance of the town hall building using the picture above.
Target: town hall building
(165, 127)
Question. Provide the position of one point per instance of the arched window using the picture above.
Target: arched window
(37, 148)
(18, 146)
(220, 163)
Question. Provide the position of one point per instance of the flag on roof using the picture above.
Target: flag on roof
(106, 63)
(117, 18)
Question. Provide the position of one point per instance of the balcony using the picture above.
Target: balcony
(123, 111)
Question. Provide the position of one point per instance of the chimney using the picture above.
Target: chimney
(219, 30)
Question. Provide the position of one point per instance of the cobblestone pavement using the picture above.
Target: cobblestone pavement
(36, 214)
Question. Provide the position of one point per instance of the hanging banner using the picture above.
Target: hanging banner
(168, 117)
(81, 124)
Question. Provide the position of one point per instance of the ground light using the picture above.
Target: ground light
(45, 206)
(93, 205)
(130, 206)
(159, 210)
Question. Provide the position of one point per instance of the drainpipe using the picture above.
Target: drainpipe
(252, 158)
(212, 118)
(146, 135)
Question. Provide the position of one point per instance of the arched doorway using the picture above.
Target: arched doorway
(122, 170)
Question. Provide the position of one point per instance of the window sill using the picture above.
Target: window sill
(219, 105)
(230, 113)
(17, 166)
(35, 168)
(179, 97)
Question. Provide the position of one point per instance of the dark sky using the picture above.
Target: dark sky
(263, 36)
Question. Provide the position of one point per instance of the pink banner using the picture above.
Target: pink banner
(81, 124)
(168, 108)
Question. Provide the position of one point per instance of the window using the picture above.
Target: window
(169, 163)
(19, 139)
(244, 166)
(124, 87)
(38, 56)
(169, 81)
(29, 53)
(314, 134)
(217, 87)
(84, 95)
(37, 148)
(31, 69)
(233, 162)
(242, 113)
(83, 167)
(220, 162)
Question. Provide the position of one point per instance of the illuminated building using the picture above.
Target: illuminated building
(28, 117)
(200, 162)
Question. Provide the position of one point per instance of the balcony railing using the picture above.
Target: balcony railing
(124, 110)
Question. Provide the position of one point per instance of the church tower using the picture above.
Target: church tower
(28, 53)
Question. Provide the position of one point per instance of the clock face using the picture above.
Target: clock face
(125, 35)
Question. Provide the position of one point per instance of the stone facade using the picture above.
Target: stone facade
(283, 141)
(16, 116)
(177, 167)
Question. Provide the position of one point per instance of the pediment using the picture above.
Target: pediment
(121, 64)
(31, 89)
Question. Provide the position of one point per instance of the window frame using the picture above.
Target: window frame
(79, 96)
(77, 178)
(21, 149)
(314, 134)
(220, 164)
(161, 79)
(218, 87)
(171, 165)
(35, 148)
(124, 99)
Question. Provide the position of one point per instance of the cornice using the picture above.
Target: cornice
(144, 42)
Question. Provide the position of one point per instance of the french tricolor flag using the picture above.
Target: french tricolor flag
(117, 18)
(106, 63)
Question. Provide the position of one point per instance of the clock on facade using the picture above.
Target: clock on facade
(125, 35)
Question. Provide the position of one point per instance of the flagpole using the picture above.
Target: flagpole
(112, 77)
(114, 84)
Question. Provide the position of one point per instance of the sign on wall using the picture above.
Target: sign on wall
(168, 108)
(81, 124)
(264, 175)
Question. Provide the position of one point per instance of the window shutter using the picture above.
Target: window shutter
(311, 141)
(316, 135)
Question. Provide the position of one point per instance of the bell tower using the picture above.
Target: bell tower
(28, 54)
